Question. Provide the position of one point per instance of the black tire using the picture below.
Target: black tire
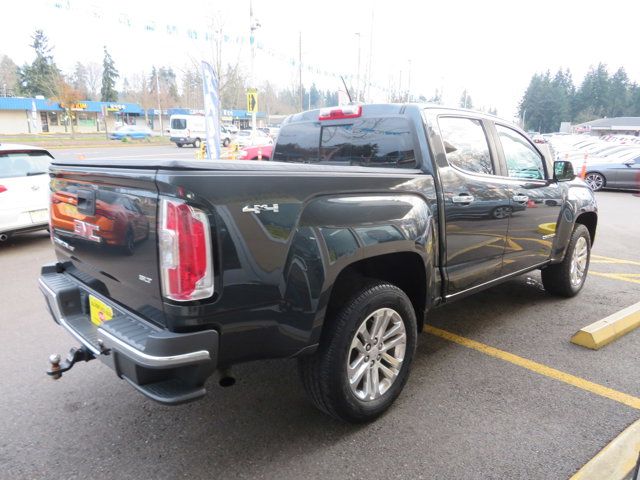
(179, 145)
(595, 180)
(556, 278)
(501, 212)
(226, 142)
(196, 143)
(129, 243)
(324, 374)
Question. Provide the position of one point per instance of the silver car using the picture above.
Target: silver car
(623, 173)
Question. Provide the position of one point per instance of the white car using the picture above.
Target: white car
(24, 189)
(247, 138)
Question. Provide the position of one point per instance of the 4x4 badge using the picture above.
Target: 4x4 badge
(261, 208)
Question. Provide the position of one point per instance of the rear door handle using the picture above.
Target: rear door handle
(520, 198)
(462, 198)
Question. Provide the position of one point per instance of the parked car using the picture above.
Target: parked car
(366, 218)
(622, 174)
(262, 152)
(247, 138)
(131, 132)
(24, 189)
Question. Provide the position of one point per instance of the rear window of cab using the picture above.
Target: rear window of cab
(373, 142)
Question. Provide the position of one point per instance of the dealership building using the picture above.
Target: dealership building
(607, 126)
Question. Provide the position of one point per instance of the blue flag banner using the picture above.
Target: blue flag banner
(211, 111)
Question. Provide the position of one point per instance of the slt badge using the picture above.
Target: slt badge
(261, 208)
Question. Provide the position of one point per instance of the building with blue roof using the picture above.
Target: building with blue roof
(40, 115)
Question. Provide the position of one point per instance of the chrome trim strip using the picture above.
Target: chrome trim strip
(496, 280)
(153, 360)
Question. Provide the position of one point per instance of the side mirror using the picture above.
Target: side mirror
(563, 171)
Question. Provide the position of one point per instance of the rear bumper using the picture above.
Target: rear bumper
(168, 367)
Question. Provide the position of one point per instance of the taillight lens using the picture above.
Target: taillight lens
(185, 252)
(3, 188)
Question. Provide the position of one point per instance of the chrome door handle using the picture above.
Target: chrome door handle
(520, 198)
(462, 199)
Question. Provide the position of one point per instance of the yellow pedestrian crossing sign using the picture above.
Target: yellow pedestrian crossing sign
(252, 100)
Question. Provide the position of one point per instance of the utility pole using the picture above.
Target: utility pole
(358, 76)
(409, 83)
(300, 69)
(253, 25)
(370, 57)
(159, 106)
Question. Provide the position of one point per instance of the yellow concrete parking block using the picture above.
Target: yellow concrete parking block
(616, 460)
(602, 332)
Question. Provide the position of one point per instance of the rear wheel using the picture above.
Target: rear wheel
(226, 142)
(365, 354)
(567, 278)
(595, 180)
(196, 143)
(179, 145)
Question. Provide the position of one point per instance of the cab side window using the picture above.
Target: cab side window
(523, 161)
(465, 144)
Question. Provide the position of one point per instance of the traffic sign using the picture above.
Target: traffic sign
(252, 101)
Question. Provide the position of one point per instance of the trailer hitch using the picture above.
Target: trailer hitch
(57, 368)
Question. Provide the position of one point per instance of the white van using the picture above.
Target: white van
(24, 189)
(191, 129)
(187, 129)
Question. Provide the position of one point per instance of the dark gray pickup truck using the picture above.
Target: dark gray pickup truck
(367, 218)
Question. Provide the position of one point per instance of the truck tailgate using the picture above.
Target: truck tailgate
(103, 227)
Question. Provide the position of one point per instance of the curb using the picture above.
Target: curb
(616, 460)
(605, 331)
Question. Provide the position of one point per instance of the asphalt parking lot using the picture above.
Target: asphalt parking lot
(464, 414)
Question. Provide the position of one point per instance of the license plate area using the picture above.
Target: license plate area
(99, 311)
(39, 216)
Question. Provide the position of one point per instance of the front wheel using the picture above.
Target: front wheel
(566, 279)
(595, 180)
(179, 145)
(365, 354)
(226, 142)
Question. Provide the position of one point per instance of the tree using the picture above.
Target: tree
(465, 100)
(67, 96)
(39, 77)
(108, 91)
(94, 78)
(436, 98)
(592, 99)
(619, 93)
(8, 76)
(79, 80)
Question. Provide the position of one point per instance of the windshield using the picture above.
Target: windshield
(24, 164)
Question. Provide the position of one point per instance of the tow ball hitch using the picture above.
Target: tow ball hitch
(57, 367)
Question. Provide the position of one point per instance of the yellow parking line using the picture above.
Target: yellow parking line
(601, 259)
(625, 399)
(616, 276)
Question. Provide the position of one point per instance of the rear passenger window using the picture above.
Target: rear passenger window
(298, 142)
(367, 142)
(523, 161)
(466, 144)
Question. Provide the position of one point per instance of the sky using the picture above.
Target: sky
(490, 48)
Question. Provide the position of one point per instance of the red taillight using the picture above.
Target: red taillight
(185, 252)
(3, 188)
(337, 113)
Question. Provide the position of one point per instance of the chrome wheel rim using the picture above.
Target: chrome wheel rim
(376, 354)
(595, 181)
(579, 261)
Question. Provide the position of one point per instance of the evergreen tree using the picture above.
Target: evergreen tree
(40, 77)
(108, 91)
(592, 99)
(465, 100)
(618, 93)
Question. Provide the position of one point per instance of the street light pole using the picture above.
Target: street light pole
(159, 105)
